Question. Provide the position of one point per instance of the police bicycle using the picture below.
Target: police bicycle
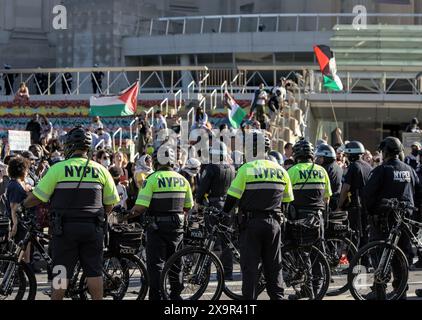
(18, 282)
(306, 270)
(338, 248)
(379, 264)
(199, 267)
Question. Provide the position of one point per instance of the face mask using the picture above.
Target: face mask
(415, 152)
(106, 163)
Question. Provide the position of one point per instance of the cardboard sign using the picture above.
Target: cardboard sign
(19, 140)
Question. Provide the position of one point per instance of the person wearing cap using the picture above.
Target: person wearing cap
(393, 179)
(351, 196)
(413, 158)
(102, 135)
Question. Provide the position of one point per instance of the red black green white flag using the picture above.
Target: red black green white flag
(123, 104)
(328, 66)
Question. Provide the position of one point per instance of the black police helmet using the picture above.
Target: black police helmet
(277, 156)
(164, 156)
(391, 145)
(303, 150)
(354, 147)
(77, 139)
(326, 151)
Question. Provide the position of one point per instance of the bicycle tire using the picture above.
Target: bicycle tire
(140, 265)
(190, 251)
(354, 268)
(319, 257)
(26, 279)
(351, 254)
(259, 289)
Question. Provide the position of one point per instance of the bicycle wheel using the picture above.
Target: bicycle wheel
(233, 287)
(124, 276)
(305, 271)
(138, 281)
(192, 273)
(17, 281)
(339, 252)
(371, 279)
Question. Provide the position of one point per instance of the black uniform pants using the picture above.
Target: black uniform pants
(161, 244)
(358, 220)
(260, 240)
(226, 256)
(79, 241)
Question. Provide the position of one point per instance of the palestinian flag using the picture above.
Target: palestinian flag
(327, 64)
(123, 104)
(236, 112)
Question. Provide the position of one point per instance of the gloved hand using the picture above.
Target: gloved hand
(225, 218)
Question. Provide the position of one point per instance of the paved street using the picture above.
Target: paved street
(415, 282)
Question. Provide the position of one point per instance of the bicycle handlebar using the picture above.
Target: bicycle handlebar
(395, 204)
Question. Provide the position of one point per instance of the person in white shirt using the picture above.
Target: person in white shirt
(103, 135)
(159, 128)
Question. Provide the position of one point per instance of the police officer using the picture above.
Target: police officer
(311, 190)
(261, 232)
(353, 183)
(326, 157)
(392, 179)
(164, 197)
(80, 191)
(215, 181)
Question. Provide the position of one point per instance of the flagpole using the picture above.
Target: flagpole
(332, 108)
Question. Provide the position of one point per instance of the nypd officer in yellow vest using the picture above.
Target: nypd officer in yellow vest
(260, 186)
(311, 190)
(164, 196)
(81, 192)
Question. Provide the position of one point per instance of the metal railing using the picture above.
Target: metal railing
(191, 88)
(223, 90)
(101, 142)
(263, 22)
(202, 84)
(165, 102)
(178, 100)
(191, 113)
(213, 100)
(104, 80)
(356, 79)
(203, 103)
(132, 123)
(120, 132)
